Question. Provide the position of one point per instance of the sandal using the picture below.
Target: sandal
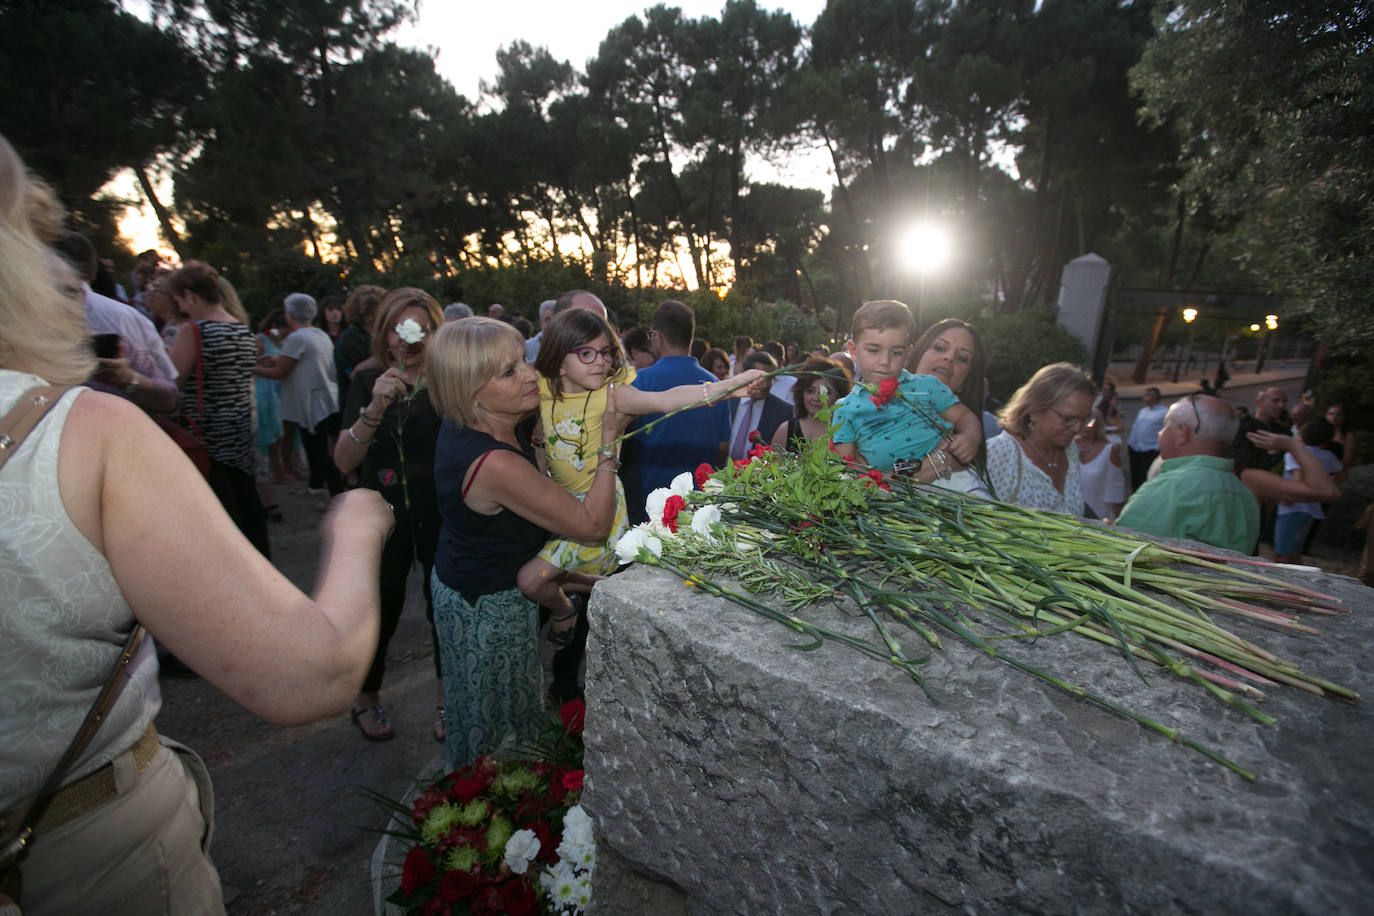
(372, 722)
(562, 637)
(440, 726)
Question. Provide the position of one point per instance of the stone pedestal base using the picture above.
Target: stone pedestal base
(728, 774)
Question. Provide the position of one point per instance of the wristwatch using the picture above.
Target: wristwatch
(907, 467)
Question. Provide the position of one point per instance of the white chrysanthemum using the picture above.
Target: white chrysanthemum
(564, 887)
(656, 501)
(702, 520)
(683, 484)
(521, 849)
(410, 331)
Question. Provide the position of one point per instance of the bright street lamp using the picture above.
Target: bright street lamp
(925, 248)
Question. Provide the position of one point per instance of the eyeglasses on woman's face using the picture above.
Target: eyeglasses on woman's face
(589, 355)
(1070, 420)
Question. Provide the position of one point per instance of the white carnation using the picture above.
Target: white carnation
(410, 331)
(521, 849)
(656, 501)
(702, 520)
(683, 484)
(627, 548)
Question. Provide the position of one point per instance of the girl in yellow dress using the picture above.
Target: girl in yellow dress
(581, 363)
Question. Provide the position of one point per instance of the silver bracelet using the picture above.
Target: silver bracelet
(353, 436)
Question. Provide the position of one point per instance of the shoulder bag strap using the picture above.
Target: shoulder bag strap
(33, 405)
(17, 827)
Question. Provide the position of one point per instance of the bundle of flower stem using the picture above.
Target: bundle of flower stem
(928, 561)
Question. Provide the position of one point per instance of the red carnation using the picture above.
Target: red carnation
(758, 450)
(435, 907)
(417, 871)
(755, 437)
(704, 471)
(519, 897)
(456, 885)
(574, 712)
(572, 781)
(556, 790)
(876, 476)
(887, 390)
(671, 508)
(741, 463)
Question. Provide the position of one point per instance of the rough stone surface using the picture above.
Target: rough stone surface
(731, 774)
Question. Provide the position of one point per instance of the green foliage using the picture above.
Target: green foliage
(90, 89)
(1280, 149)
(1019, 344)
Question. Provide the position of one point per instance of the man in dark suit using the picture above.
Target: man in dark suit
(761, 412)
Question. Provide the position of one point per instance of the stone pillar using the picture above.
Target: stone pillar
(1082, 304)
(729, 773)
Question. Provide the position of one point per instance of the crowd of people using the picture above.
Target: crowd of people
(488, 452)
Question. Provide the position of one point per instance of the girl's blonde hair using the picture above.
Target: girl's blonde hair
(389, 312)
(1046, 387)
(464, 355)
(42, 317)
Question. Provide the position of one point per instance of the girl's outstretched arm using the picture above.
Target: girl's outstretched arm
(630, 400)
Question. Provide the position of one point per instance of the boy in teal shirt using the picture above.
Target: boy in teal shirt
(899, 424)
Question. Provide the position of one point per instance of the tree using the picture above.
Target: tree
(1283, 148)
(735, 107)
(79, 113)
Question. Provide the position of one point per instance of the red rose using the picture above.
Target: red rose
(704, 471)
(574, 712)
(457, 885)
(435, 907)
(887, 390)
(530, 806)
(572, 781)
(519, 897)
(548, 849)
(417, 871)
(465, 790)
(671, 508)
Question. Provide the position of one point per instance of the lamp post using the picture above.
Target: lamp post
(1271, 324)
(1189, 316)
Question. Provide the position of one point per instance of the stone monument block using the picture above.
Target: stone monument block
(1083, 299)
(728, 773)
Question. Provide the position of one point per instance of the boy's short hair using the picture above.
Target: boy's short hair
(881, 314)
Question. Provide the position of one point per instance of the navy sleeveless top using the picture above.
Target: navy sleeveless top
(478, 554)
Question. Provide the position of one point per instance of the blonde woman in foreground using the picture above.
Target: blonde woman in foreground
(116, 526)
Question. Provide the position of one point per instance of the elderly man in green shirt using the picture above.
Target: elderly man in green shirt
(1196, 493)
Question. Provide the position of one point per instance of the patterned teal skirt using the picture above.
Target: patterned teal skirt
(493, 675)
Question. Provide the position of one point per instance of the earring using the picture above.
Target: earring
(1030, 424)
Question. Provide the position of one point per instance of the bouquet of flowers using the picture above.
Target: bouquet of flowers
(502, 836)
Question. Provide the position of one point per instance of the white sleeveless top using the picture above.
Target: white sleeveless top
(63, 621)
(1103, 483)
